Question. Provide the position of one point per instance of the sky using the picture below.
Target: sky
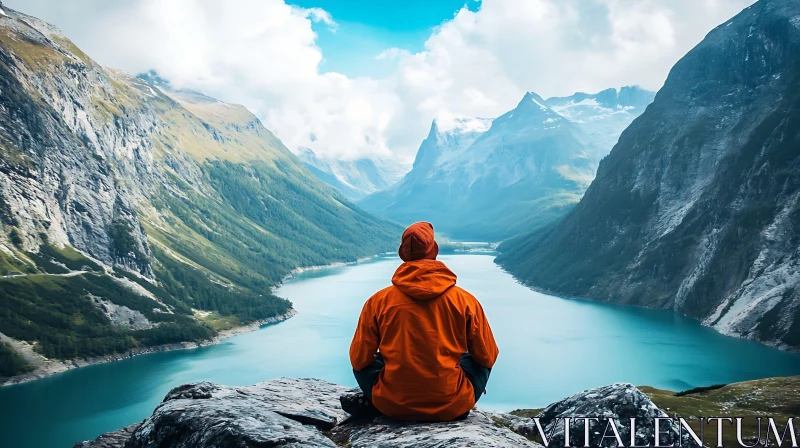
(365, 78)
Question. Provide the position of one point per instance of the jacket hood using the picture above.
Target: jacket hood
(423, 279)
(418, 243)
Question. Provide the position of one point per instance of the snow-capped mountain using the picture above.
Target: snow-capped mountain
(447, 141)
(354, 178)
(604, 115)
(697, 208)
(478, 178)
(486, 182)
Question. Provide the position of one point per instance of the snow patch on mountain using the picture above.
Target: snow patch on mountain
(602, 116)
(448, 124)
(453, 137)
(541, 106)
(472, 167)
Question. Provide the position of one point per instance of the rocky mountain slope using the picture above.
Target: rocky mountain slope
(604, 115)
(133, 215)
(529, 165)
(353, 178)
(696, 208)
(479, 179)
(408, 200)
(289, 412)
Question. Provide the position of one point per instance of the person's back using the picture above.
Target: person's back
(435, 346)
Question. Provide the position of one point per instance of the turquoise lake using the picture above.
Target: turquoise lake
(549, 348)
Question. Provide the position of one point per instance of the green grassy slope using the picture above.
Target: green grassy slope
(210, 209)
(771, 397)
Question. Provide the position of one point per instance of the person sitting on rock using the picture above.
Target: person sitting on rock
(423, 349)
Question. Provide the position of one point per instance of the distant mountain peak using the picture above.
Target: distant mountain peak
(449, 136)
(612, 98)
(690, 210)
(535, 99)
(154, 78)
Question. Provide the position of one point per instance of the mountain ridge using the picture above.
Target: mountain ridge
(695, 209)
(135, 215)
(525, 168)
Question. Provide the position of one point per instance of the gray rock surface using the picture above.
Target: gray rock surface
(121, 315)
(279, 413)
(290, 412)
(77, 182)
(620, 401)
(477, 430)
(113, 439)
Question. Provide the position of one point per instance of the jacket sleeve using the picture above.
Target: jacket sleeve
(366, 340)
(480, 340)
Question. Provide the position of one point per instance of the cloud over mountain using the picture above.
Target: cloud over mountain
(264, 54)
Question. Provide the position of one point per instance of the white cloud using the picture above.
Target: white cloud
(392, 54)
(263, 54)
(318, 15)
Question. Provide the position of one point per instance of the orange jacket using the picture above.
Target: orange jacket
(422, 324)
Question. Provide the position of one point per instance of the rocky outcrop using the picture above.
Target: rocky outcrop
(696, 208)
(62, 166)
(284, 412)
(477, 430)
(121, 315)
(290, 412)
(619, 402)
(113, 439)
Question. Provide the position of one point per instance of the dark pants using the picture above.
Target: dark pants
(477, 374)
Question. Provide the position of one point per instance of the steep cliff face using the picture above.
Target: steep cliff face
(62, 163)
(118, 191)
(696, 208)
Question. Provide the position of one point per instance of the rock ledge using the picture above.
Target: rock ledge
(290, 412)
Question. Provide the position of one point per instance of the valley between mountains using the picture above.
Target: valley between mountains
(137, 216)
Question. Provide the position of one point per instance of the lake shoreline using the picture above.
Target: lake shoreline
(52, 367)
(300, 270)
(662, 349)
(551, 293)
(337, 264)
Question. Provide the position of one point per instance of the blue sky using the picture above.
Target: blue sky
(365, 28)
